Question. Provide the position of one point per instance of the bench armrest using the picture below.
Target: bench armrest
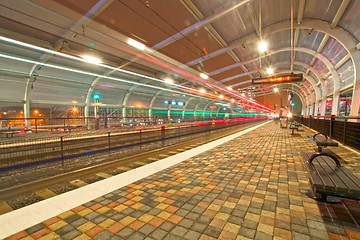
(318, 134)
(315, 155)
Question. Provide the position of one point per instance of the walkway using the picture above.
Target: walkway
(251, 187)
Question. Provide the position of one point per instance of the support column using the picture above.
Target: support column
(335, 104)
(323, 106)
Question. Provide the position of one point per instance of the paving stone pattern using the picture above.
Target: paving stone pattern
(252, 187)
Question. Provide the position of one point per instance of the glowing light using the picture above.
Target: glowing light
(74, 109)
(289, 115)
(74, 101)
(233, 100)
(173, 103)
(229, 88)
(36, 111)
(138, 105)
(276, 89)
(204, 76)
(169, 81)
(91, 59)
(166, 102)
(256, 105)
(262, 46)
(202, 90)
(96, 96)
(221, 96)
(293, 104)
(243, 94)
(180, 103)
(136, 44)
(5, 113)
(270, 71)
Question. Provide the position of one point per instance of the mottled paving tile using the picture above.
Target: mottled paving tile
(251, 187)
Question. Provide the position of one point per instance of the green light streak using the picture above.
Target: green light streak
(207, 113)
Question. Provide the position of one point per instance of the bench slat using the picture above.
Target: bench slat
(327, 182)
(333, 171)
(314, 177)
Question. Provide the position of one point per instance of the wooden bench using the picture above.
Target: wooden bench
(329, 179)
(322, 141)
(293, 127)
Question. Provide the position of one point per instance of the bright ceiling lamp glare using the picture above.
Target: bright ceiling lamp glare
(169, 81)
(91, 59)
(243, 94)
(270, 71)
(136, 44)
(276, 89)
(204, 76)
(202, 90)
(221, 96)
(262, 46)
(229, 88)
(233, 100)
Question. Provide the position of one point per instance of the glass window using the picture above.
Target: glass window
(345, 103)
(328, 106)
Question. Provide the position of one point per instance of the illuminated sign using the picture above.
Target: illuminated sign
(279, 79)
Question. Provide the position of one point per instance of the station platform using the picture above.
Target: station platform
(249, 185)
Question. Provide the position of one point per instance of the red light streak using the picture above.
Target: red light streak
(259, 106)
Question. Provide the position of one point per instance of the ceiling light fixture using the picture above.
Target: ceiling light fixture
(91, 59)
(169, 81)
(270, 71)
(262, 46)
(204, 76)
(136, 44)
(202, 90)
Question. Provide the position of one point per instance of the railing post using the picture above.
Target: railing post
(140, 138)
(109, 139)
(35, 125)
(332, 119)
(163, 135)
(62, 150)
(344, 131)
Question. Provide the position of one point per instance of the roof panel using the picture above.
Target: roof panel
(322, 9)
(195, 45)
(237, 22)
(310, 39)
(351, 19)
(217, 62)
(333, 51)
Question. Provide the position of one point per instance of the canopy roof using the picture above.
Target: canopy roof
(183, 39)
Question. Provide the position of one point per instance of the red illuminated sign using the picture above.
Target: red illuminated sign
(279, 79)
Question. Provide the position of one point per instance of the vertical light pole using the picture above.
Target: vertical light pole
(96, 98)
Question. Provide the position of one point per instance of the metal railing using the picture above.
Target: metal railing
(31, 152)
(343, 129)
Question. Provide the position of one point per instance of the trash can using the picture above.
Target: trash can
(283, 122)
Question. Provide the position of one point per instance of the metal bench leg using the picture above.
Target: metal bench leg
(322, 197)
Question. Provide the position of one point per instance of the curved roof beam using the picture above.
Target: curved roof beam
(311, 97)
(307, 77)
(302, 92)
(319, 56)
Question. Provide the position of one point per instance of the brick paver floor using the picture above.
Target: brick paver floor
(252, 187)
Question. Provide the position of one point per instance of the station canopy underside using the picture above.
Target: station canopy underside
(43, 43)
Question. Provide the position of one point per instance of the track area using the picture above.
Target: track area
(32, 184)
